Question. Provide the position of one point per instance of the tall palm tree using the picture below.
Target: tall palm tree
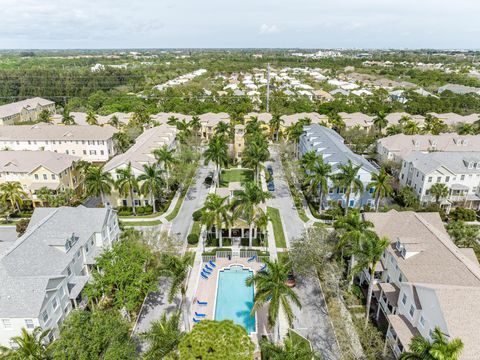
(380, 121)
(215, 213)
(294, 132)
(348, 178)
(98, 182)
(163, 337)
(308, 160)
(274, 124)
(336, 121)
(255, 153)
(151, 180)
(176, 269)
(67, 118)
(317, 178)
(195, 125)
(290, 350)
(223, 130)
(216, 152)
(438, 191)
(29, 345)
(91, 118)
(369, 253)
(246, 204)
(381, 183)
(271, 288)
(165, 160)
(439, 349)
(11, 193)
(434, 125)
(114, 121)
(127, 183)
(393, 130)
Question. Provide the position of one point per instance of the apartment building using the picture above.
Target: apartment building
(38, 169)
(397, 147)
(239, 142)
(210, 121)
(139, 154)
(459, 171)
(25, 110)
(91, 143)
(330, 145)
(357, 119)
(43, 273)
(423, 281)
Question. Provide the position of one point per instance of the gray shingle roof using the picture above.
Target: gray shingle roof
(16, 107)
(457, 162)
(28, 161)
(42, 131)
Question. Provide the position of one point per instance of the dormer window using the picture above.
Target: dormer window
(398, 245)
(404, 253)
(70, 242)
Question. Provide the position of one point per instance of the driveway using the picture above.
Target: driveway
(194, 200)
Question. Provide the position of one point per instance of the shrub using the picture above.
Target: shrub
(140, 210)
(462, 214)
(197, 214)
(192, 239)
(21, 226)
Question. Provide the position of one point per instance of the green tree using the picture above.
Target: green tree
(381, 183)
(176, 268)
(380, 121)
(114, 121)
(216, 152)
(271, 288)
(45, 116)
(255, 153)
(408, 197)
(336, 121)
(216, 340)
(347, 178)
(163, 337)
(290, 350)
(294, 132)
(439, 349)
(67, 118)
(91, 118)
(308, 160)
(411, 128)
(393, 130)
(215, 213)
(98, 182)
(165, 160)
(28, 345)
(466, 129)
(172, 121)
(274, 125)
(464, 235)
(317, 178)
(151, 182)
(434, 125)
(12, 194)
(223, 130)
(127, 183)
(246, 204)
(94, 335)
(122, 141)
(438, 191)
(196, 126)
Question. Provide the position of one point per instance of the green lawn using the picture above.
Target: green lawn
(141, 223)
(274, 216)
(235, 175)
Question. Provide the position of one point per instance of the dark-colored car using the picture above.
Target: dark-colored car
(271, 186)
(291, 280)
(270, 170)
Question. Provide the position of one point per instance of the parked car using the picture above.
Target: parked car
(291, 280)
(269, 169)
(271, 186)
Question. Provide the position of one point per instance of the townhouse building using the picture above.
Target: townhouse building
(210, 121)
(25, 110)
(35, 170)
(139, 154)
(43, 273)
(91, 143)
(424, 281)
(459, 171)
(330, 145)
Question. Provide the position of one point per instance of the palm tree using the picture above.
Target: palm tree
(165, 160)
(380, 121)
(369, 254)
(163, 337)
(404, 119)
(466, 129)
(317, 178)
(438, 191)
(336, 121)
(308, 160)
(216, 152)
(45, 116)
(381, 183)
(29, 345)
(172, 121)
(215, 213)
(271, 288)
(114, 121)
(246, 204)
(122, 141)
(411, 128)
(439, 349)
(353, 231)
(348, 179)
(98, 182)
(294, 132)
(127, 183)
(223, 130)
(67, 118)
(195, 125)
(45, 195)
(184, 131)
(91, 118)
(11, 192)
(393, 130)
(290, 350)
(434, 125)
(176, 269)
(256, 152)
(151, 182)
(274, 124)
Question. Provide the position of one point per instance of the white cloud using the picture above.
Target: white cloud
(268, 29)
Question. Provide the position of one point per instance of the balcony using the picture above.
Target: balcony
(378, 274)
(400, 333)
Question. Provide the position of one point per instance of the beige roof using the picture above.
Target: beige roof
(404, 330)
(390, 290)
(235, 185)
(43, 131)
(394, 118)
(294, 118)
(28, 161)
(438, 261)
(452, 118)
(222, 192)
(141, 152)
(265, 117)
(212, 119)
(16, 107)
(163, 117)
(355, 119)
(322, 94)
(81, 118)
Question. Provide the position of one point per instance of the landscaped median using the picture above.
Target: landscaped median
(275, 218)
(179, 203)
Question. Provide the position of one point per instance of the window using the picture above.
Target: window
(29, 324)
(53, 177)
(84, 152)
(101, 152)
(93, 152)
(429, 179)
(54, 303)
(45, 316)
(36, 176)
(7, 324)
(422, 321)
(69, 271)
(439, 178)
(44, 176)
(404, 299)
(412, 310)
(462, 177)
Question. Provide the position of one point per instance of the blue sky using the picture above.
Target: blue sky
(240, 23)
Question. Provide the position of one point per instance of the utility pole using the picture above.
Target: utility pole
(268, 87)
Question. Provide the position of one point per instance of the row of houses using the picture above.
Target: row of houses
(24, 111)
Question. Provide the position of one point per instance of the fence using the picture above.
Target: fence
(244, 254)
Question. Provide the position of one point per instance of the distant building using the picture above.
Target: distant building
(239, 142)
(357, 120)
(210, 121)
(330, 145)
(25, 110)
(43, 273)
(459, 89)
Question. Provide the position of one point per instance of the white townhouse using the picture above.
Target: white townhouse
(139, 154)
(91, 143)
(43, 273)
(424, 281)
(330, 145)
(459, 171)
(25, 110)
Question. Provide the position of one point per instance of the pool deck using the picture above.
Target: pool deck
(207, 289)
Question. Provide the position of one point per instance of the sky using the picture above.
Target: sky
(74, 24)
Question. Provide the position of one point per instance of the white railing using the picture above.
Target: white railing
(207, 258)
(247, 253)
(223, 254)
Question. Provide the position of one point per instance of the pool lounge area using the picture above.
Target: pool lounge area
(224, 295)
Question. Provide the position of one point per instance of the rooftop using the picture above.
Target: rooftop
(457, 162)
(28, 161)
(16, 107)
(43, 131)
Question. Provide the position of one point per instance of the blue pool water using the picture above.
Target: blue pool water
(235, 298)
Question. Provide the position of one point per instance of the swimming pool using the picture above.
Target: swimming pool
(234, 298)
